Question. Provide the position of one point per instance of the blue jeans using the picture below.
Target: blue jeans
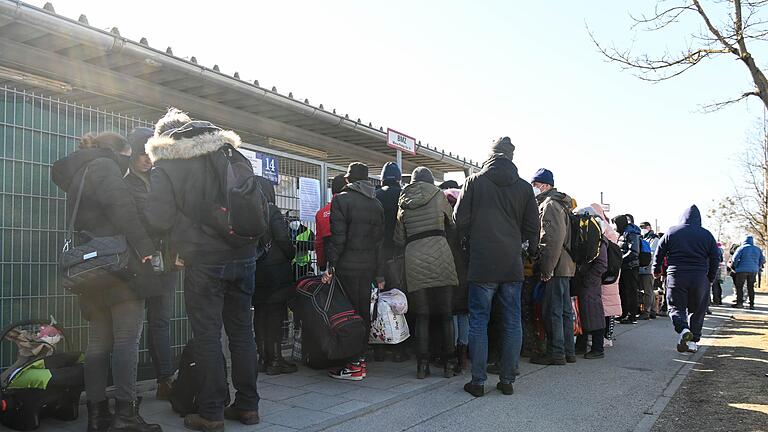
(480, 299)
(159, 312)
(461, 328)
(558, 317)
(215, 295)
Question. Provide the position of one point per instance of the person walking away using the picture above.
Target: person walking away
(357, 232)
(557, 268)
(497, 213)
(219, 272)
(159, 307)
(645, 274)
(461, 293)
(588, 282)
(747, 263)
(274, 282)
(692, 262)
(422, 221)
(113, 307)
(629, 282)
(610, 292)
(391, 254)
(323, 224)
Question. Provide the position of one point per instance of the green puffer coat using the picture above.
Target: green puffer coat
(428, 261)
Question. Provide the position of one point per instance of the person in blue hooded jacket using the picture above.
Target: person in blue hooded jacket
(692, 263)
(747, 262)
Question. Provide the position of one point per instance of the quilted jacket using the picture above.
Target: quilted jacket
(428, 261)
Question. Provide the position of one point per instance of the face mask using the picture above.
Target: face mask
(295, 225)
(123, 162)
(645, 231)
(536, 191)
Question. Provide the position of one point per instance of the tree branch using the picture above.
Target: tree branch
(720, 105)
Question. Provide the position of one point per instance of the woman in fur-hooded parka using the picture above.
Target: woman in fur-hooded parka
(610, 295)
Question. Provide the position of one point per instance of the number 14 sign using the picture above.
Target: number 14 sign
(401, 141)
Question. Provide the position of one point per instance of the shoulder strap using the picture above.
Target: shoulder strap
(71, 228)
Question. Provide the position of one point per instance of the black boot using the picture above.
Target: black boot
(462, 352)
(277, 364)
(263, 357)
(422, 367)
(99, 416)
(127, 419)
(449, 366)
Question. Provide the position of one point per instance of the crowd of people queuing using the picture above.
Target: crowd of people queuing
(486, 267)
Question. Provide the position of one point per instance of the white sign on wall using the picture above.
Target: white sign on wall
(401, 141)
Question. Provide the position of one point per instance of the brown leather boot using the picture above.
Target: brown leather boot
(244, 417)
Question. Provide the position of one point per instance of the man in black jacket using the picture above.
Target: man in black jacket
(218, 278)
(388, 196)
(629, 281)
(357, 231)
(497, 212)
(160, 305)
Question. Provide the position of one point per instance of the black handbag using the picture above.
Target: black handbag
(98, 259)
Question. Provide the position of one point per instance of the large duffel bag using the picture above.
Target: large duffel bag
(328, 321)
(186, 388)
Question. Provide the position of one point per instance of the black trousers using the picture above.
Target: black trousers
(740, 279)
(717, 292)
(629, 287)
(358, 287)
(268, 321)
(446, 335)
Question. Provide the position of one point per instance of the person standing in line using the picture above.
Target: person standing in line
(497, 213)
(557, 268)
(323, 223)
(112, 306)
(748, 261)
(160, 306)
(219, 273)
(645, 274)
(357, 232)
(610, 292)
(422, 221)
(692, 262)
(588, 288)
(461, 294)
(629, 282)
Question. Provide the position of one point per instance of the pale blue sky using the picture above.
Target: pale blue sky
(458, 74)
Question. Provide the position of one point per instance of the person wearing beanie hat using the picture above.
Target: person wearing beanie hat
(390, 173)
(159, 307)
(353, 254)
(504, 147)
(422, 174)
(423, 220)
(323, 222)
(557, 268)
(219, 273)
(449, 184)
(484, 215)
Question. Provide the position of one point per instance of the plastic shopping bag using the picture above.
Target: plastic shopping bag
(388, 324)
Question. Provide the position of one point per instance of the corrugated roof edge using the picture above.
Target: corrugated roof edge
(432, 152)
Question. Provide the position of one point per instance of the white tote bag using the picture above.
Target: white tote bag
(388, 324)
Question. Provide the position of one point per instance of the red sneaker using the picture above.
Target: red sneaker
(350, 372)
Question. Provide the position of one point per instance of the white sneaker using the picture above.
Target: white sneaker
(685, 337)
(607, 343)
(693, 347)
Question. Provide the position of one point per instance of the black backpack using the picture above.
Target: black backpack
(183, 396)
(615, 259)
(586, 235)
(243, 217)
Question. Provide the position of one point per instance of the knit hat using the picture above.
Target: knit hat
(449, 184)
(337, 184)
(422, 174)
(391, 171)
(137, 138)
(504, 147)
(356, 171)
(545, 176)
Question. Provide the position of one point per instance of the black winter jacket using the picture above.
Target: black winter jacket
(184, 184)
(497, 212)
(106, 209)
(357, 229)
(388, 196)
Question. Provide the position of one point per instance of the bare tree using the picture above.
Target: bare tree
(729, 26)
(750, 198)
(722, 214)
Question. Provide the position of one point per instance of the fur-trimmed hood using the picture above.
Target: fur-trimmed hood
(163, 147)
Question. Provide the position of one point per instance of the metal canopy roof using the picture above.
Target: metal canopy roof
(72, 60)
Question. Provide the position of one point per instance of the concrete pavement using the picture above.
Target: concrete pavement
(625, 391)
